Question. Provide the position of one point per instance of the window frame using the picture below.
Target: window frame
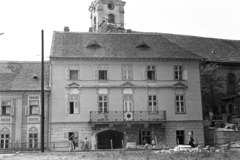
(30, 106)
(11, 105)
(128, 98)
(102, 69)
(127, 72)
(180, 135)
(33, 145)
(179, 101)
(103, 102)
(152, 101)
(152, 71)
(178, 73)
(76, 68)
(74, 100)
(5, 145)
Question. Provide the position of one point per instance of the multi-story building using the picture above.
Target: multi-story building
(20, 100)
(115, 88)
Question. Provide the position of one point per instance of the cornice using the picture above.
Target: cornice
(121, 59)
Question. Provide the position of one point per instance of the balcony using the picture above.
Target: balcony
(120, 116)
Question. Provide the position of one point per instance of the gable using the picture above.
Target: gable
(127, 85)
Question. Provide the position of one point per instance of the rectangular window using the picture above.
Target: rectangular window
(73, 104)
(73, 136)
(34, 105)
(5, 106)
(152, 103)
(103, 103)
(73, 72)
(178, 72)
(151, 73)
(4, 141)
(180, 137)
(102, 72)
(128, 103)
(127, 73)
(33, 140)
(180, 104)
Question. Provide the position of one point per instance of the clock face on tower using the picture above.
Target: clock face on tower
(111, 6)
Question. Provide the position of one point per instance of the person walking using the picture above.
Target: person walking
(86, 144)
(190, 139)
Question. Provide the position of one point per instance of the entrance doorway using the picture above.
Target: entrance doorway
(105, 138)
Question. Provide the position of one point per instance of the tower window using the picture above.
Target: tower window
(111, 6)
(111, 18)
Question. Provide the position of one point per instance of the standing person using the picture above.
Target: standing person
(190, 139)
(71, 143)
(153, 143)
(86, 144)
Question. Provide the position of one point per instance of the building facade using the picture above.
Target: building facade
(116, 88)
(20, 108)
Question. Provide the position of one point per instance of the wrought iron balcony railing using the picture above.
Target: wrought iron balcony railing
(118, 116)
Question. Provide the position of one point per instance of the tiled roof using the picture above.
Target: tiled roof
(113, 45)
(209, 48)
(18, 76)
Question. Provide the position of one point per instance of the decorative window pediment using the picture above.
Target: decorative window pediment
(127, 85)
(143, 45)
(93, 44)
(180, 85)
(73, 85)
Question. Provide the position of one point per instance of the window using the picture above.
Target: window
(151, 73)
(127, 73)
(103, 103)
(180, 104)
(180, 137)
(5, 106)
(145, 137)
(102, 72)
(111, 6)
(73, 72)
(5, 138)
(128, 103)
(33, 107)
(111, 18)
(152, 103)
(73, 104)
(178, 72)
(33, 140)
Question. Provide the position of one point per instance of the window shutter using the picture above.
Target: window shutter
(0, 107)
(68, 107)
(156, 75)
(79, 74)
(12, 110)
(66, 135)
(185, 75)
(144, 75)
(68, 74)
(95, 74)
(26, 110)
(39, 110)
(77, 107)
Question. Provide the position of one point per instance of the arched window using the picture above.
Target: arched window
(111, 18)
(33, 138)
(231, 84)
(5, 138)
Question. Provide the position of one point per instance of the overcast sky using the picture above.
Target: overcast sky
(21, 21)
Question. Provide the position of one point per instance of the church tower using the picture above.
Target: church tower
(107, 15)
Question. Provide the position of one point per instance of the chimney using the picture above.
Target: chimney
(66, 29)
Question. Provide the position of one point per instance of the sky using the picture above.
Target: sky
(22, 21)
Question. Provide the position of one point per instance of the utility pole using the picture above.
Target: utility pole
(42, 92)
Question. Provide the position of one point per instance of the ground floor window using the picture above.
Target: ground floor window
(180, 136)
(33, 140)
(73, 136)
(4, 141)
(144, 137)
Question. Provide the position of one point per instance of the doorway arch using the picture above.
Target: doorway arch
(105, 138)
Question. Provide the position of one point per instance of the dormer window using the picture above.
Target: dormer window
(143, 45)
(93, 44)
(111, 18)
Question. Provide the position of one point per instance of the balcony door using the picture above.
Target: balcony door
(128, 103)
